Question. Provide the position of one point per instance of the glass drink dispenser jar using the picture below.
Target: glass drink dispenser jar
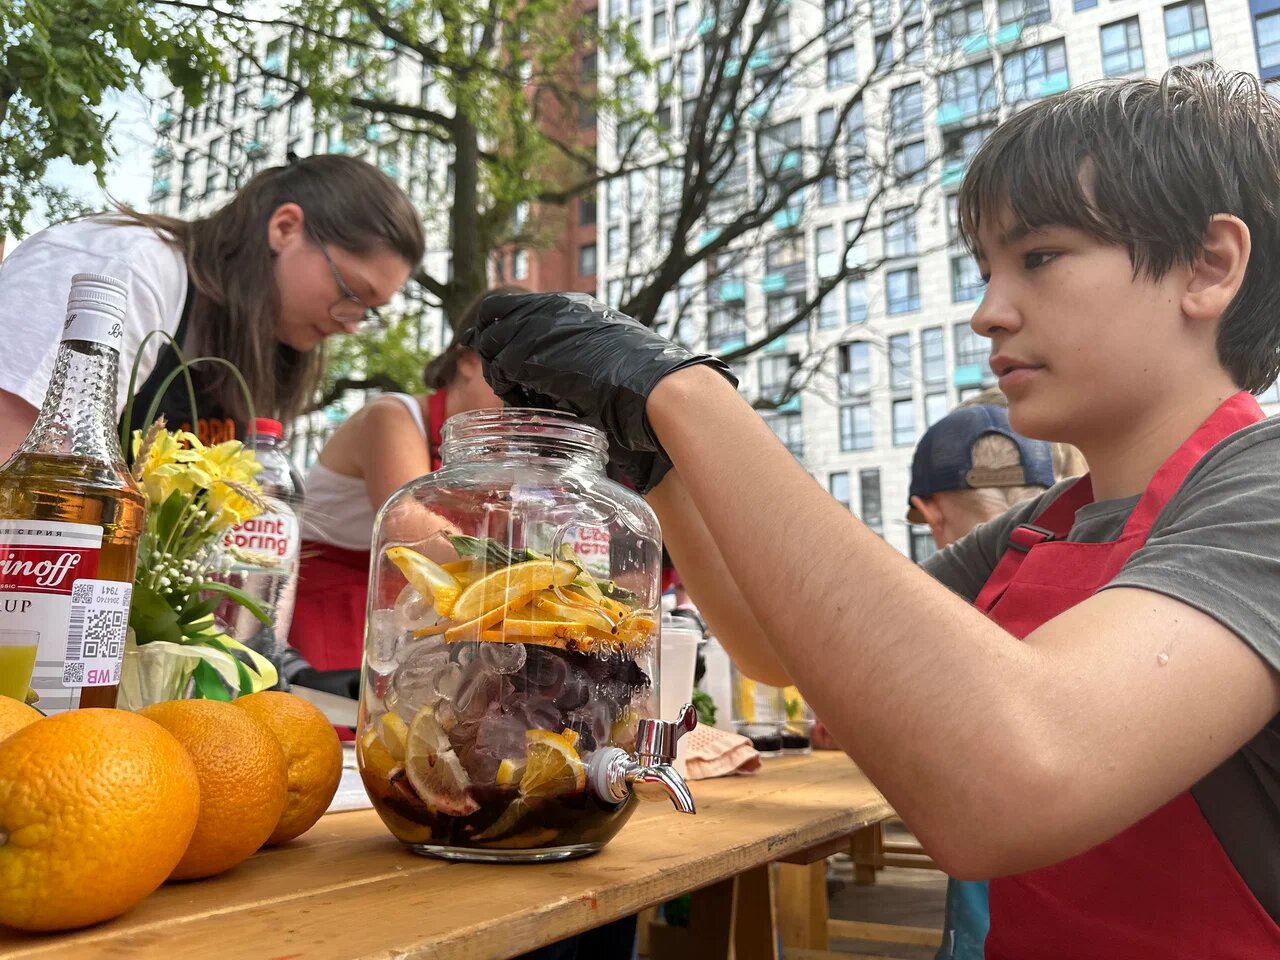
(510, 668)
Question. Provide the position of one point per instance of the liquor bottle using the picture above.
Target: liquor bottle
(70, 519)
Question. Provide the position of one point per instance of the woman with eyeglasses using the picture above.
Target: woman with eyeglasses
(379, 448)
(302, 252)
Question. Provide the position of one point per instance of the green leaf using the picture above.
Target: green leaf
(152, 618)
(239, 596)
(198, 610)
(492, 552)
(209, 685)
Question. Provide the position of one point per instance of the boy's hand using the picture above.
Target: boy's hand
(568, 351)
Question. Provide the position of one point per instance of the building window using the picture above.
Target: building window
(904, 423)
(935, 408)
(824, 242)
(1186, 30)
(213, 170)
(829, 312)
(726, 324)
(883, 54)
(910, 162)
(1026, 12)
(855, 370)
(855, 300)
(1122, 48)
(660, 35)
(900, 362)
(587, 260)
(1035, 73)
(966, 281)
(520, 264)
(906, 111)
(869, 488)
(933, 355)
(1271, 394)
(774, 374)
(900, 232)
(923, 545)
(855, 427)
(836, 13)
(970, 348)
(613, 244)
(1268, 28)
(902, 290)
(953, 26)
(587, 210)
(838, 487)
(842, 67)
(683, 19)
(1084, 5)
(965, 92)
(913, 44)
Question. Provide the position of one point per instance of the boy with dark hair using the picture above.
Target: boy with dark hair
(1091, 717)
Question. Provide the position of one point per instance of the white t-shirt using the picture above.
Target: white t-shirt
(36, 278)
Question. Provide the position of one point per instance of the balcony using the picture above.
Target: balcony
(974, 44)
(971, 375)
(952, 173)
(951, 115)
(166, 119)
(392, 170)
(789, 279)
(705, 26)
(374, 133)
(268, 101)
(760, 59)
(1009, 34)
(255, 149)
(162, 152)
(1054, 83)
(159, 189)
(708, 236)
(338, 146)
(787, 218)
(732, 291)
(273, 63)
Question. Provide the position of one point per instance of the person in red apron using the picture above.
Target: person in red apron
(385, 444)
(1100, 734)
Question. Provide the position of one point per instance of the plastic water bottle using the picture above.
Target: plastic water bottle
(273, 534)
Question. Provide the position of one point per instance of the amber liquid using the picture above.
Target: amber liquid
(37, 486)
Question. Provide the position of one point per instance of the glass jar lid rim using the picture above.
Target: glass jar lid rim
(522, 423)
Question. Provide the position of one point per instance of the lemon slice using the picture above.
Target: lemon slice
(502, 586)
(552, 766)
(427, 577)
(373, 757)
(591, 616)
(434, 770)
(472, 629)
(395, 734)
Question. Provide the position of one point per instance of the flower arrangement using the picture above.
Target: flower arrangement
(195, 494)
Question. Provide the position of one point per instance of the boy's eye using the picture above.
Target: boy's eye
(1037, 258)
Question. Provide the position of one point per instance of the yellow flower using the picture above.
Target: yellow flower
(232, 503)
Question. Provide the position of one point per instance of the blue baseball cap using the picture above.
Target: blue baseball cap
(944, 457)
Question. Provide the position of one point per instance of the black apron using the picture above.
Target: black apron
(214, 424)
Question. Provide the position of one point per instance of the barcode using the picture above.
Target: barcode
(95, 633)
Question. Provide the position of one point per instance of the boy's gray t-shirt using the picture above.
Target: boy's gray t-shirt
(1215, 547)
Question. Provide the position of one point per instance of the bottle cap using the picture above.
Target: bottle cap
(95, 310)
(266, 427)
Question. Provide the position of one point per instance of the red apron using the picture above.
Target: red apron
(1163, 889)
(333, 585)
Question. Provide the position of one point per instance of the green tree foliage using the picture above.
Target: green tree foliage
(386, 359)
(62, 60)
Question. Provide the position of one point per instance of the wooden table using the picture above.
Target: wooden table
(348, 890)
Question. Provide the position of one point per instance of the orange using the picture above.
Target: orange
(96, 809)
(14, 715)
(312, 750)
(243, 779)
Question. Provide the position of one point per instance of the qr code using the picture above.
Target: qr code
(73, 673)
(103, 634)
(82, 593)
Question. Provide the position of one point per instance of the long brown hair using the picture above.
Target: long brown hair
(346, 202)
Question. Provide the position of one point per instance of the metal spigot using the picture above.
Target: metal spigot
(614, 774)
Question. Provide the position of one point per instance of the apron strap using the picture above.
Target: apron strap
(1053, 524)
(1235, 413)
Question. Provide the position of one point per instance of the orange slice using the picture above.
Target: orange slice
(502, 586)
(552, 766)
(590, 616)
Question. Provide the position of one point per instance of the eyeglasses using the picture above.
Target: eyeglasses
(349, 309)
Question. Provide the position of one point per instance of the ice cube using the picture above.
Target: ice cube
(383, 641)
(504, 658)
(538, 713)
(576, 692)
(478, 690)
(413, 611)
(446, 678)
(544, 672)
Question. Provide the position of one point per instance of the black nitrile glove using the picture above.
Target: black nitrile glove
(569, 352)
(342, 683)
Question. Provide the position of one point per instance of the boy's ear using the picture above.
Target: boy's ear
(1218, 273)
(931, 510)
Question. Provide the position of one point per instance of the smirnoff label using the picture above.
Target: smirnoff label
(51, 598)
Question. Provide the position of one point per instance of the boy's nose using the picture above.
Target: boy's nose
(995, 312)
